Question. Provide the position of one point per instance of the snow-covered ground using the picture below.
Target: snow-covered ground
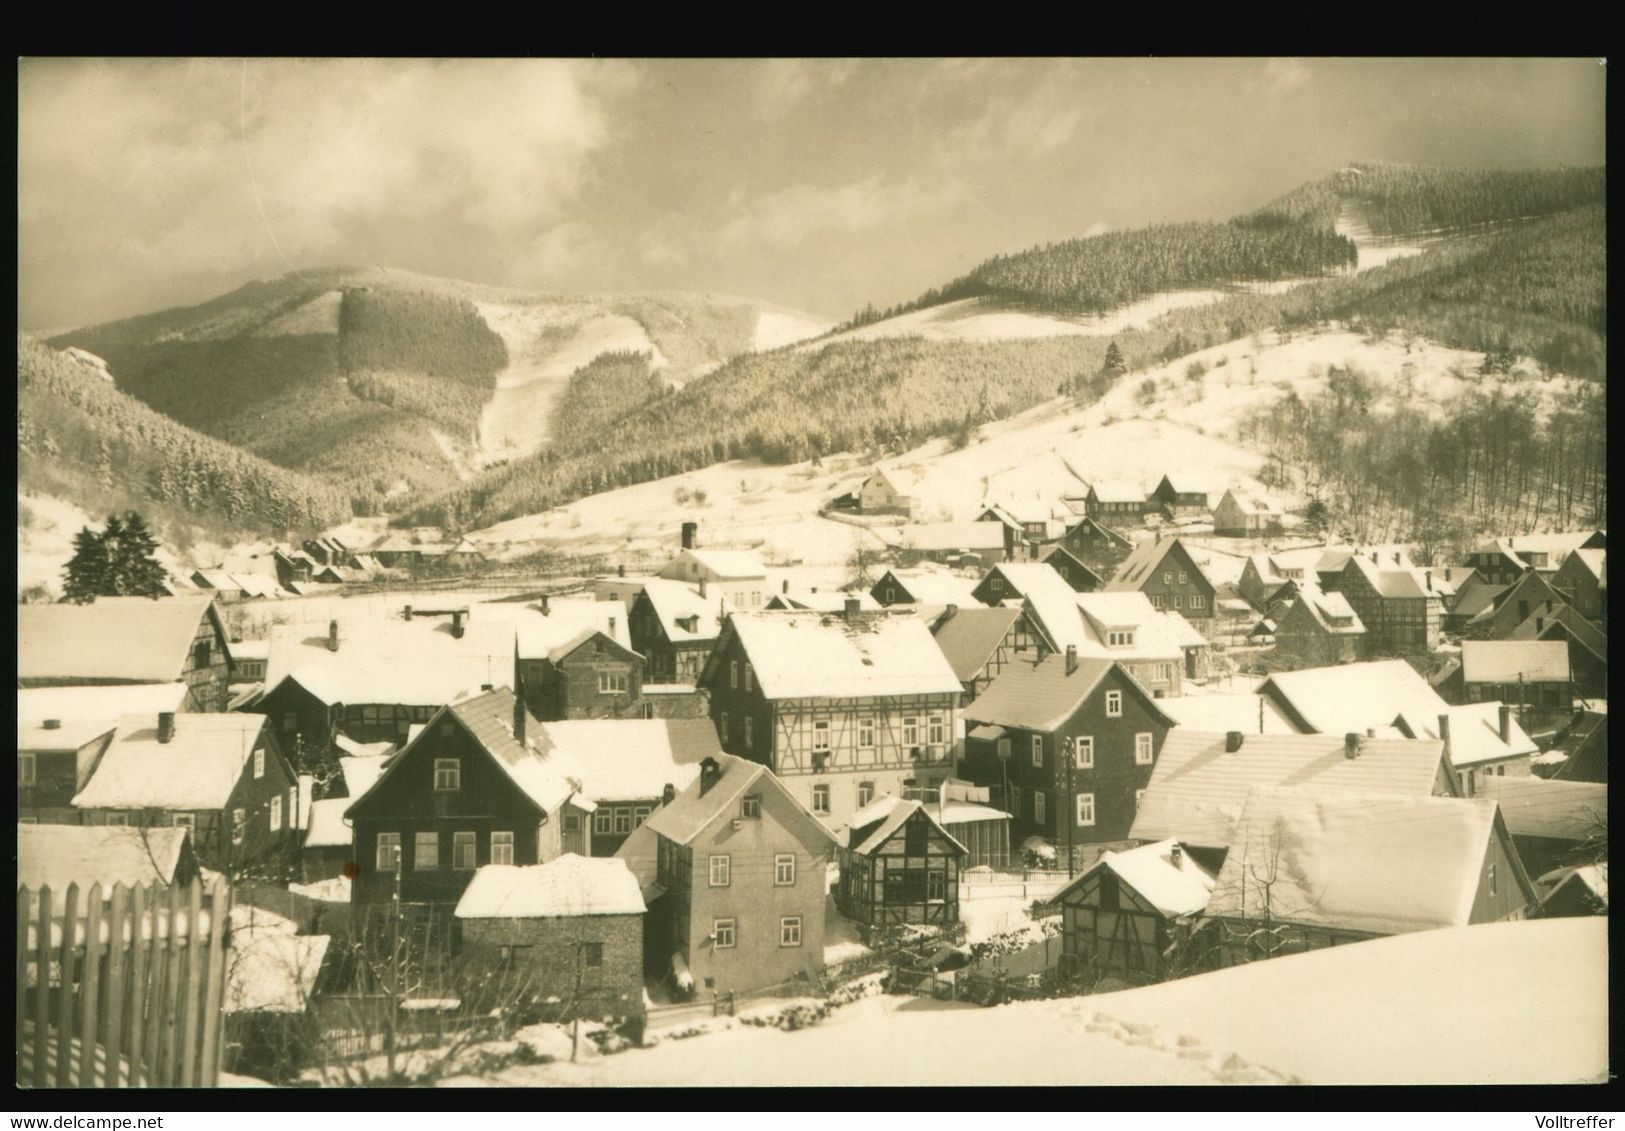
(45, 530)
(1504, 1003)
(776, 328)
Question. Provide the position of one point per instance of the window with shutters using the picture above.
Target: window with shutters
(462, 852)
(502, 847)
(388, 852)
(1084, 746)
(426, 852)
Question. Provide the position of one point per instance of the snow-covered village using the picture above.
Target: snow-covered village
(1159, 638)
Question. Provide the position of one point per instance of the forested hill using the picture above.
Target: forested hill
(79, 438)
(1402, 200)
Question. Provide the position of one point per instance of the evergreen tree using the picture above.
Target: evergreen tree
(89, 574)
(118, 562)
(136, 572)
(1114, 360)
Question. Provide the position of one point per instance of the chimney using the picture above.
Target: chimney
(1506, 723)
(1373, 557)
(1232, 741)
(166, 725)
(547, 608)
(948, 614)
(1176, 854)
(702, 587)
(519, 719)
(407, 612)
(620, 570)
(690, 529)
(1540, 625)
(1444, 733)
(457, 623)
(612, 626)
(852, 607)
(1351, 745)
(1396, 557)
(1071, 658)
(1427, 576)
(710, 774)
(53, 724)
(1032, 551)
(332, 636)
(786, 587)
(669, 794)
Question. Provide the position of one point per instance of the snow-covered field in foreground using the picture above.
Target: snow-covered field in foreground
(1504, 1003)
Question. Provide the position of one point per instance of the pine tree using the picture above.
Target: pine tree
(1114, 360)
(89, 573)
(136, 572)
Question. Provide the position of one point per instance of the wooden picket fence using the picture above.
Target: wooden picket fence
(126, 991)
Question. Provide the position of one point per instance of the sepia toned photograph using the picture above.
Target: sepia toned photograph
(809, 572)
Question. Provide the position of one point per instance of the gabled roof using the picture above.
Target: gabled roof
(1359, 862)
(1249, 714)
(1564, 622)
(1182, 483)
(1146, 559)
(326, 827)
(1595, 562)
(569, 886)
(1058, 550)
(876, 823)
(1475, 594)
(1173, 888)
(1331, 611)
(1040, 695)
(1158, 634)
(139, 639)
(196, 769)
(968, 637)
(821, 600)
(932, 586)
(1555, 545)
(1351, 697)
(1197, 788)
(1509, 661)
(693, 811)
(557, 632)
(675, 601)
(799, 655)
(1475, 733)
(901, 481)
(725, 564)
(1117, 491)
(87, 712)
(59, 855)
(951, 536)
(627, 759)
(415, 663)
(1394, 582)
(272, 970)
(1026, 577)
(1334, 558)
(1592, 877)
(1557, 810)
(1096, 524)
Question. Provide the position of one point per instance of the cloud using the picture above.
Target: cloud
(1098, 228)
(783, 85)
(1033, 121)
(1283, 75)
(558, 254)
(790, 216)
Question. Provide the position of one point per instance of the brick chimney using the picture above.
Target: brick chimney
(1396, 557)
(710, 774)
(612, 627)
(702, 587)
(690, 529)
(52, 724)
(852, 607)
(406, 613)
(1506, 723)
(948, 614)
(1232, 741)
(1071, 658)
(1351, 745)
(1427, 576)
(1444, 733)
(669, 794)
(1176, 855)
(457, 624)
(332, 636)
(547, 608)
(166, 725)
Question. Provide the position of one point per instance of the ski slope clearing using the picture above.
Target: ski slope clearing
(778, 328)
(1519, 1002)
(318, 316)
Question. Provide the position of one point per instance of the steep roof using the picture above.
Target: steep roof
(196, 769)
(1174, 888)
(1250, 503)
(1475, 733)
(1184, 483)
(952, 536)
(1146, 558)
(370, 665)
(626, 759)
(1360, 862)
(1197, 788)
(140, 639)
(1027, 577)
(1249, 714)
(969, 637)
(489, 718)
(1331, 611)
(1096, 524)
(272, 970)
(1505, 661)
(1474, 595)
(933, 586)
(1159, 634)
(569, 886)
(59, 855)
(1040, 695)
(821, 600)
(1558, 810)
(1595, 562)
(1117, 491)
(876, 823)
(326, 827)
(86, 712)
(814, 655)
(1394, 582)
(675, 601)
(726, 564)
(692, 812)
(901, 481)
(1351, 697)
(565, 624)
(1561, 620)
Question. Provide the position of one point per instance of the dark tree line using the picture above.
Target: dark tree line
(117, 561)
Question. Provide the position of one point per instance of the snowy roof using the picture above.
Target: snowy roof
(1331, 611)
(952, 536)
(1184, 483)
(1475, 733)
(628, 759)
(1158, 634)
(1392, 581)
(968, 638)
(1145, 559)
(87, 711)
(1595, 561)
(1555, 545)
(1356, 861)
(1029, 577)
(139, 639)
(901, 481)
(1593, 877)
(811, 655)
(250, 649)
(196, 769)
(675, 601)
(368, 666)
(1559, 810)
(876, 823)
(565, 624)
(730, 563)
(693, 811)
(933, 587)
(1117, 491)
(1351, 697)
(1564, 623)
(1250, 503)
(1514, 661)
(1197, 788)
(362, 770)
(326, 827)
(1249, 714)
(59, 855)
(272, 971)
(1173, 888)
(38, 738)
(571, 885)
(821, 600)
(1039, 695)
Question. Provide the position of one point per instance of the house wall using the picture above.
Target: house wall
(1580, 586)
(1192, 598)
(298, 718)
(58, 776)
(870, 896)
(1096, 938)
(877, 496)
(207, 680)
(1300, 639)
(570, 689)
(253, 796)
(549, 955)
(1400, 624)
(1508, 900)
(1530, 597)
(1098, 551)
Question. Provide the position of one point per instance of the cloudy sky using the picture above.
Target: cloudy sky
(815, 184)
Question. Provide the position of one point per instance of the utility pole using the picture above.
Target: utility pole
(575, 1003)
(1070, 756)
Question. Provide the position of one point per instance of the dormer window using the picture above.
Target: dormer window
(1120, 638)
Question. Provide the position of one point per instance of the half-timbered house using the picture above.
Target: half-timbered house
(1318, 629)
(674, 625)
(1401, 609)
(1530, 595)
(1098, 546)
(978, 642)
(575, 657)
(899, 867)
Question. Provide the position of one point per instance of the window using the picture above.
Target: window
(935, 731)
(1015, 800)
(790, 931)
(1114, 704)
(750, 806)
(592, 953)
(722, 930)
(388, 853)
(866, 793)
(1492, 879)
(1038, 806)
(1183, 578)
(936, 885)
(276, 813)
(462, 852)
(200, 654)
(502, 848)
(821, 800)
(603, 822)
(1158, 600)
(1086, 808)
(1167, 577)
(623, 820)
(722, 727)
(733, 675)
(750, 737)
(866, 734)
(572, 822)
(293, 806)
(821, 734)
(721, 871)
(640, 813)
(121, 819)
(1142, 748)
(448, 774)
(26, 769)
(426, 852)
(1004, 749)
(784, 869)
(1198, 601)
(911, 731)
(1139, 798)
(1084, 748)
(1179, 600)
(997, 583)
(183, 821)
(1120, 638)
(612, 683)
(290, 721)
(749, 680)
(239, 825)
(259, 763)
(1038, 750)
